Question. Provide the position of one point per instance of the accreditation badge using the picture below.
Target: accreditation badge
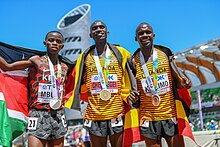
(105, 95)
(55, 103)
(156, 100)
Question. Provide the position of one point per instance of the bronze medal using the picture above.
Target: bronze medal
(105, 95)
(55, 104)
(156, 100)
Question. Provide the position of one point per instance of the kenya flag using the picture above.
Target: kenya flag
(13, 105)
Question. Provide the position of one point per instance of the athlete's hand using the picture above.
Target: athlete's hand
(186, 83)
(133, 97)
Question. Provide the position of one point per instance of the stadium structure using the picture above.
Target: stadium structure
(201, 64)
(75, 28)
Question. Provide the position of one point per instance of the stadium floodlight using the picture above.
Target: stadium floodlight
(75, 28)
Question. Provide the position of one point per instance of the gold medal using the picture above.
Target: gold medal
(156, 100)
(55, 103)
(105, 95)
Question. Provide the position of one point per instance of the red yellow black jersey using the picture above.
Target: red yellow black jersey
(40, 84)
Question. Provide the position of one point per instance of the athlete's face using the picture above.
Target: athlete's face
(54, 43)
(98, 31)
(144, 35)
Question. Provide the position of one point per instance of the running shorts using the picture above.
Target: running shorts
(47, 125)
(105, 127)
(159, 129)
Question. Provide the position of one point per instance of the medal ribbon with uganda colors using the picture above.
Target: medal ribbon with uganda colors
(155, 70)
(103, 78)
(149, 82)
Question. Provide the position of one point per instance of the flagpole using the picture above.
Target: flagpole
(200, 110)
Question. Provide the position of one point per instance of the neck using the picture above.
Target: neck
(53, 58)
(146, 51)
(101, 47)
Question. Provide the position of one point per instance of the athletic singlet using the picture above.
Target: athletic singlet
(40, 97)
(98, 109)
(166, 109)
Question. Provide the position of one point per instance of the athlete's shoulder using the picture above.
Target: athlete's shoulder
(121, 49)
(86, 51)
(66, 60)
(164, 49)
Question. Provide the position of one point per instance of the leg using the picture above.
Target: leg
(56, 142)
(176, 140)
(97, 141)
(116, 139)
(152, 131)
(152, 142)
(36, 142)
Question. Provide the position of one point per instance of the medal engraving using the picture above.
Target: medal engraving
(156, 100)
(105, 95)
(55, 104)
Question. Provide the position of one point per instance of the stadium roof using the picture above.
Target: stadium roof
(201, 64)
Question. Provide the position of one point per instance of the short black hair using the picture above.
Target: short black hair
(96, 22)
(144, 23)
(54, 32)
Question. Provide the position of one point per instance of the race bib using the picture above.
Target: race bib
(162, 84)
(44, 93)
(63, 118)
(174, 120)
(145, 124)
(112, 83)
(117, 122)
(32, 123)
(88, 123)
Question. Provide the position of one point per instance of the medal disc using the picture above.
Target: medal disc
(156, 100)
(105, 95)
(55, 104)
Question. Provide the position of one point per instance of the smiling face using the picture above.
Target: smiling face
(53, 43)
(144, 35)
(98, 31)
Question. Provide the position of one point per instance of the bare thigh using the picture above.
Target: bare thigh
(152, 142)
(116, 139)
(175, 141)
(56, 142)
(36, 142)
(97, 141)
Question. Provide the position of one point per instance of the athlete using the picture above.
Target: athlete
(155, 80)
(104, 72)
(47, 74)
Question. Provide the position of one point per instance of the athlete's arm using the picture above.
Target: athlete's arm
(18, 65)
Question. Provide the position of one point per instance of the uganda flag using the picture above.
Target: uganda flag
(183, 110)
(131, 128)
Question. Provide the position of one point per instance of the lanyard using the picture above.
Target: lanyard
(103, 78)
(154, 88)
(54, 79)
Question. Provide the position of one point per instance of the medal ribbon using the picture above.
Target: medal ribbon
(155, 70)
(54, 80)
(149, 82)
(103, 78)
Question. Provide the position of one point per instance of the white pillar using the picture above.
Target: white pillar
(200, 110)
(75, 27)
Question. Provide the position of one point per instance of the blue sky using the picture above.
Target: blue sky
(177, 24)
